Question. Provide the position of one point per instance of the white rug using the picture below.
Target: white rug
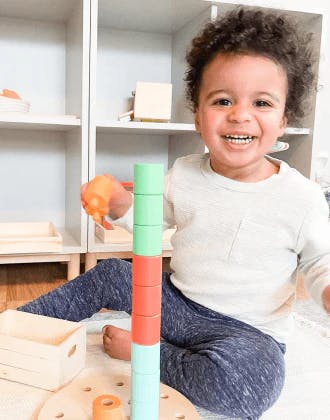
(306, 394)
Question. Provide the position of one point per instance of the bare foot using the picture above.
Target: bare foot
(117, 342)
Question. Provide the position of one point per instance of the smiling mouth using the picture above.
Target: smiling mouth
(234, 139)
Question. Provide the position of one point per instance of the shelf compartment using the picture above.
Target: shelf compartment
(29, 238)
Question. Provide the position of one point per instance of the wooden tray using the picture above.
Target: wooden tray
(119, 235)
(27, 238)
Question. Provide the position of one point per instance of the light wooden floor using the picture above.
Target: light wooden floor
(21, 283)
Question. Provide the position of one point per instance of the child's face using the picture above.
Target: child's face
(241, 95)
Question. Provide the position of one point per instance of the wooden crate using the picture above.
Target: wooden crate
(40, 351)
(27, 238)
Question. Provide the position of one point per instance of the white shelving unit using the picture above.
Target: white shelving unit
(44, 153)
(77, 62)
(130, 42)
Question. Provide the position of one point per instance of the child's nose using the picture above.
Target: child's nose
(239, 113)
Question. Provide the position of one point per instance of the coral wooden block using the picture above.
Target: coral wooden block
(145, 329)
(147, 271)
(40, 351)
(146, 301)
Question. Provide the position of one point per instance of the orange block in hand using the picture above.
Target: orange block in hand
(97, 196)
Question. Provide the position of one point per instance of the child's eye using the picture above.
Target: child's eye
(262, 103)
(223, 102)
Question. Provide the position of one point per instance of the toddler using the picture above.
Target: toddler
(246, 223)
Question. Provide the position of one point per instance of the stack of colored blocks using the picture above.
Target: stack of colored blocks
(146, 298)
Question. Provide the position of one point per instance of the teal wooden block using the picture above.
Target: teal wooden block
(148, 178)
(144, 410)
(145, 388)
(147, 240)
(145, 359)
(148, 210)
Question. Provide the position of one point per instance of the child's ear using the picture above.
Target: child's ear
(197, 123)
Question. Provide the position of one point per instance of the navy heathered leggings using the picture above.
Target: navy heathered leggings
(218, 362)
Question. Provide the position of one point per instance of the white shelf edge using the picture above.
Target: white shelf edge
(165, 128)
(35, 122)
(297, 131)
(144, 127)
(70, 245)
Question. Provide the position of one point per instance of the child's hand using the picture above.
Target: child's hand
(326, 299)
(119, 200)
(117, 342)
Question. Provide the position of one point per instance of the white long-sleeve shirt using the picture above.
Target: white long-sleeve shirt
(238, 245)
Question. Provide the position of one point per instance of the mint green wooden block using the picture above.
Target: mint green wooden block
(144, 410)
(147, 240)
(148, 210)
(145, 388)
(145, 359)
(148, 178)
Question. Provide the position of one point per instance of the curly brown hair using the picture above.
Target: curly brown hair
(255, 31)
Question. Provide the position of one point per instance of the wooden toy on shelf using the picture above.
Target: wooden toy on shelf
(29, 238)
(10, 94)
(10, 101)
(40, 351)
(153, 102)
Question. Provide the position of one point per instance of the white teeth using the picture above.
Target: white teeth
(239, 139)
